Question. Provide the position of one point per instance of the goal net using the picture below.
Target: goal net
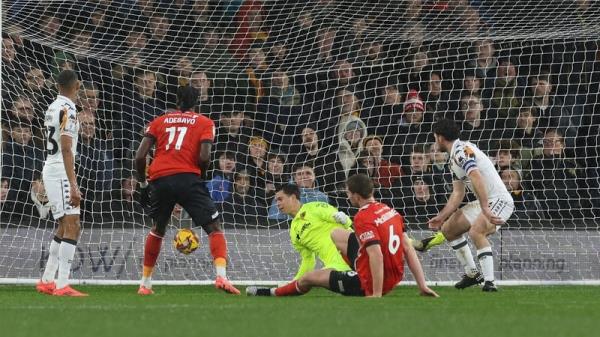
(307, 92)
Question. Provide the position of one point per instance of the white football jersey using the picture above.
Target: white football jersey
(465, 157)
(60, 119)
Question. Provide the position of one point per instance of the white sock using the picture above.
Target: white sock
(486, 261)
(52, 263)
(464, 256)
(65, 259)
(221, 271)
(147, 282)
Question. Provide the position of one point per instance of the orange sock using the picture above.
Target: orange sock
(290, 289)
(151, 251)
(218, 250)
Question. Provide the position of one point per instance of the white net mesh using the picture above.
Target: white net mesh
(298, 88)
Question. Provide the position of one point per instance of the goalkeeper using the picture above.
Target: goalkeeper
(310, 231)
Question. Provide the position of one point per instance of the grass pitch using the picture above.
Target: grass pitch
(202, 311)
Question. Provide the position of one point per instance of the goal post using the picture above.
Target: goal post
(338, 87)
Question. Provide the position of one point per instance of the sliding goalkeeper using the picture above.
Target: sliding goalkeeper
(310, 232)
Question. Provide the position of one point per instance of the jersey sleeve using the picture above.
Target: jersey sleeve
(326, 213)
(152, 129)
(464, 157)
(68, 121)
(207, 133)
(307, 257)
(366, 231)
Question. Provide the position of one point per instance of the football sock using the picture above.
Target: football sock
(151, 251)
(290, 289)
(486, 261)
(66, 251)
(464, 256)
(52, 263)
(218, 250)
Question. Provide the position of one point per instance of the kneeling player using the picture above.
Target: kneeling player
(376, 249)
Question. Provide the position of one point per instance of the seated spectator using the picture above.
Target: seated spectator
(420, 204)
(95, 165)
(507, 157)
(322, 158)
(37, 89)
(276, 175)
(5, 205)
(525, 134)
(256, 163)
(526, 205)
(21, 161)
(474, 126)
(436, 101)
(388, 106)
(386, 173)
(213, 54)
(232, 135)
(549, 108)
(243, 207)
(220, 185)
(441, 176)
(88, 100)
(250, 27)
(420, 167)
(124, 204)
(554, 179)
(485, 63)
(304, 177)
(409, 129)
(39, 198)
(254, 88)
(22, 111)
(199, 80)
(350, 137)
(506, 95)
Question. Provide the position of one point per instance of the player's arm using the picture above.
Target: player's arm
(308, 260)
(66, 143)
(140, 158)
(329, 213)
(376, 266)
(204, 156)
(455, 199)
(415, 267)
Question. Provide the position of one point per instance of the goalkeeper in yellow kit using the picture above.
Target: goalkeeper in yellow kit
(310, 233)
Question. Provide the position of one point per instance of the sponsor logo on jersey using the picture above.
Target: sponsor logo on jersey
(367, 236)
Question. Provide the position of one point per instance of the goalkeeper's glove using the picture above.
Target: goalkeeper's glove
(145, 195)
(341, 218)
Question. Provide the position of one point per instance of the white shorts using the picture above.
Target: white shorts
(499, 207)
(59, 197)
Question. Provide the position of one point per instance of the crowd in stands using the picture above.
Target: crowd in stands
(299, 98)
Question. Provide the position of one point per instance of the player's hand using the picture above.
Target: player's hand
(428, 292)
(494, 219)
(436, 222)
(341, 218)
(74, 195)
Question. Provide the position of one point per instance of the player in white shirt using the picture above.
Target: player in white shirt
(62, 130)
(472, 169)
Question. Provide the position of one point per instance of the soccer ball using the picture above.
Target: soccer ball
(186, 241)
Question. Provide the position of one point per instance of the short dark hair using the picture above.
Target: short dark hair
(360, 184)
(299, 166)
(447, 129)
(290, 189)
(187, 98)
(66, 79)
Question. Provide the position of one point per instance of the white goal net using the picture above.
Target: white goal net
(307, 92)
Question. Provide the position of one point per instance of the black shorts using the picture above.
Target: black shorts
(187, 190)
(346, 283)
(352, 250)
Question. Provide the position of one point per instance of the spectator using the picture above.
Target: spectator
(386, 174)
(474, 126)
(278, 56)
(323, 159)
(22, 111)
(11, 70)
(325, 55)
(4, 189)
(485, 63)
(220, 186)
(178, 78)
(276, 175)
(199, 80)
(125, 205)
(441, 176)
(250, 27)
(549, 108)
(304, 177)
(213, 55)
(21, 161)
(232, 135)
(254, 89)
(506, 95)
(409, 128)
(159, 45)
(88, 100)
(36, 88)
(525, 134)
(243, 207)
(526, 205)
(420, 165)
(420, 204)
(554, 180)
(350, 137)
(412, 79)
(39, 198)
(95, 165)
(436, 101)
(256, 162)
(388, 106)
(507, 157)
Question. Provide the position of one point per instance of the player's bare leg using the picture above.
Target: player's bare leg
(478, 233)
(315, 278)
(152, 248)
(339, 236)
(47, 285)
(453, 230)
(218, 250)
(71, 229)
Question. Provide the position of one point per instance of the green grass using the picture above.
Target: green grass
(202, 311)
